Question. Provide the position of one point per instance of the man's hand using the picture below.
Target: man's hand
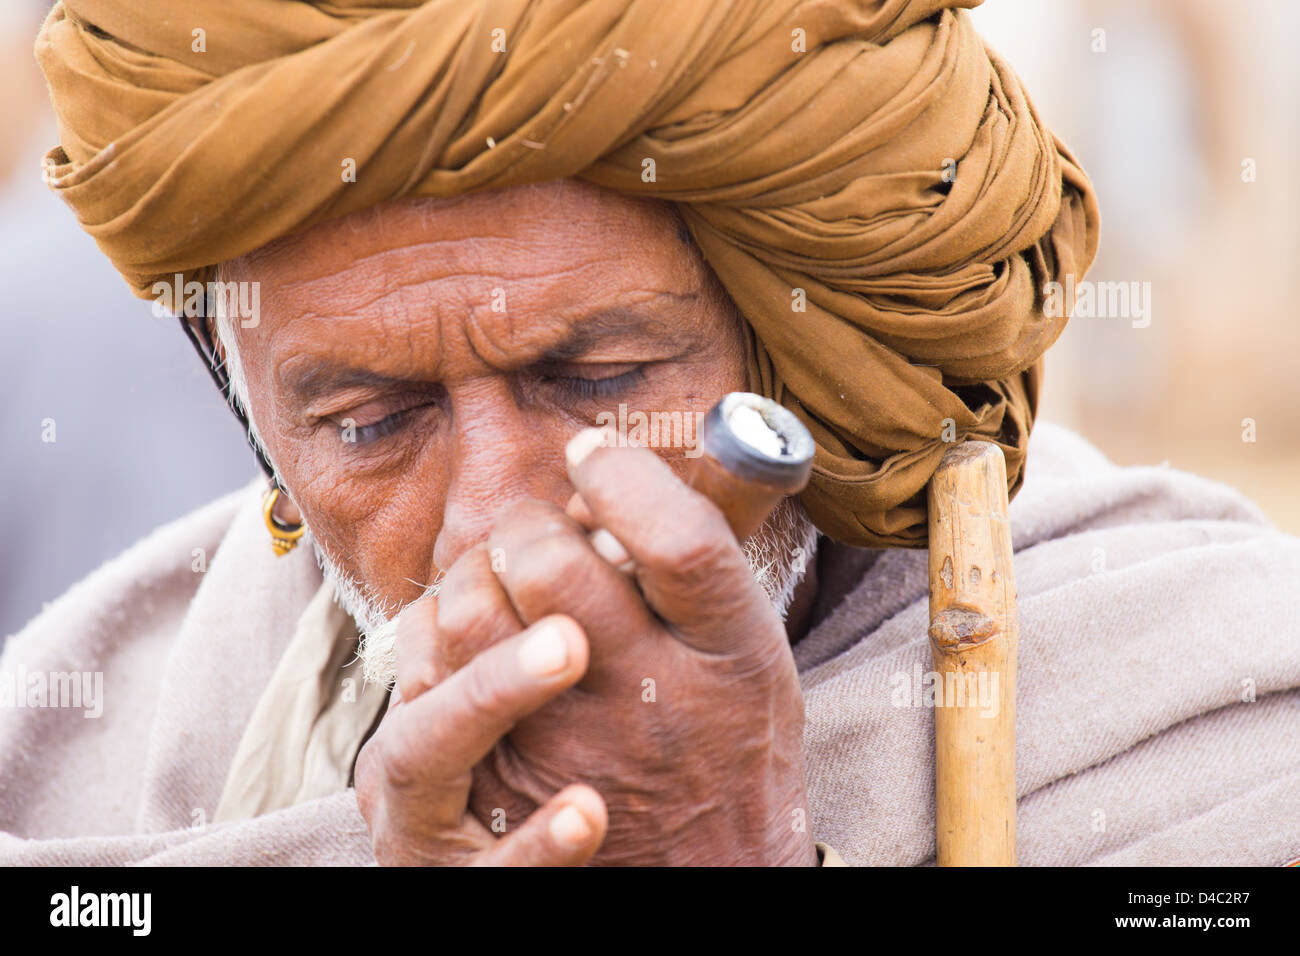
(413, 775)
(689, 719)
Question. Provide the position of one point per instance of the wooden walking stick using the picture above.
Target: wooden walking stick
(973, 640)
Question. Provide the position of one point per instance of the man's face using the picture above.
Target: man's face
(420, 366)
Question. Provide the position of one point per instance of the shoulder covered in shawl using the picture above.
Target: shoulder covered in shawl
(1158, 715)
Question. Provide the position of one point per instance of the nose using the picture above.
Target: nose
(499, 454)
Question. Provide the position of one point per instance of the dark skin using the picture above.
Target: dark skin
(463, 344)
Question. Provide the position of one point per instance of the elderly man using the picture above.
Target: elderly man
(446, 238)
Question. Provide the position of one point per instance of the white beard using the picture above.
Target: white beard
(778, 553)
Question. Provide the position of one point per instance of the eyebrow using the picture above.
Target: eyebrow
(323, 378)
(316, 379)
(588, 334)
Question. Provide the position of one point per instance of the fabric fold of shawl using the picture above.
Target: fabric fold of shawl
(869, 182)
(310, 722)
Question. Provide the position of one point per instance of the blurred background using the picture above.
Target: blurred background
(140, 433)
(1186, 116)
(1184, 113)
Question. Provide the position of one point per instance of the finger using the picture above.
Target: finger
(416, 648)
(567, 830)
(577, 510)
(604, 543)
(433, 741)
(549, 566)
(474, 611)
(689, 565)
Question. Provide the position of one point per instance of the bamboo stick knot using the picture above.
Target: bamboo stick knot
(958, 628)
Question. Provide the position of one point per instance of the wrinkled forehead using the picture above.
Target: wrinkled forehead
(502, 277)
(513, 234)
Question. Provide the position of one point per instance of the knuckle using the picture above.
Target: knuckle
(485, 688)
(469, 611)
(470, 567)
(550, 560)
(415, 676)
(548, 571)
(521, 521)
(766, 671)
(694, 556)
(398, 762)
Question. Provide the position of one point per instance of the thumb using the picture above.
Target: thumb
(567, 830)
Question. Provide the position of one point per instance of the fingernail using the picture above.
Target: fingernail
(570, 827)
(583, 444)
(544, 654)
(610, 548)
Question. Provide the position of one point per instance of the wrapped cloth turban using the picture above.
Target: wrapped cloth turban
(869, 182)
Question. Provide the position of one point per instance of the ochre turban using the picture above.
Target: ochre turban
(869, 182)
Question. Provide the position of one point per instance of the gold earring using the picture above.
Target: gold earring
(284, 538)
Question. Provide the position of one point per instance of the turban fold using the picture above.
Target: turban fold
(869, 182)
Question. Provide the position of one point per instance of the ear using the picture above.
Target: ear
(286, 512)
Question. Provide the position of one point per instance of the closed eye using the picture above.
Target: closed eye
(574, 388)
(362, 428)
(364, 434)
(582, 387)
